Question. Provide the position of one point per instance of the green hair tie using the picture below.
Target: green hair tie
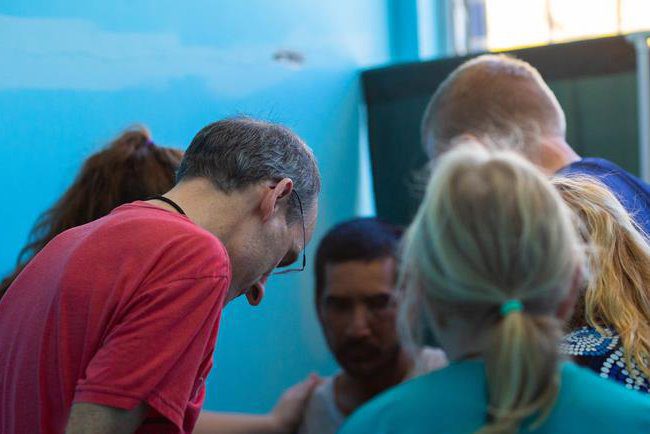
(510, 306)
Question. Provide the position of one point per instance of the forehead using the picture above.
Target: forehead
(360, 278)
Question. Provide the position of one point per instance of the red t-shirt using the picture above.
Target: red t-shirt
(116, 312)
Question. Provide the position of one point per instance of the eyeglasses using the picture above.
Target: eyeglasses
(304, 242)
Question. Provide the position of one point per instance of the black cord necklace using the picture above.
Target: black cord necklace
(167, 201)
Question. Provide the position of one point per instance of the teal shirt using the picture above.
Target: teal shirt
(454, 401)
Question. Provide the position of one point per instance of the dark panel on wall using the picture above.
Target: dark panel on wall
(594, 80)
(397, 157)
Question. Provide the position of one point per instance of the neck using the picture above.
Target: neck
(556, 154)
(351, 392)
(459, 336)
(224, 215)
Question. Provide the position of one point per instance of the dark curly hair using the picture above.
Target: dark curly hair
(129, 168)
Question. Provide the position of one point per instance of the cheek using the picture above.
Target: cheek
(385, 330)
(278, 250)
(334, 337)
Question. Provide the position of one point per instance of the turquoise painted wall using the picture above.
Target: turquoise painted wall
(74, 73)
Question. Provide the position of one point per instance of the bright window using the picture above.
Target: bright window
(517, 23)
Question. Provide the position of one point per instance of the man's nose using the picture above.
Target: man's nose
(359, 323)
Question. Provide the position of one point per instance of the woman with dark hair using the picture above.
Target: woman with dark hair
(129, 168)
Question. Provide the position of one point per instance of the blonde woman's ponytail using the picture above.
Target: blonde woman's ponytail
(521, 362)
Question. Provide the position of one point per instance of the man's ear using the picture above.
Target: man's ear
(273, 195)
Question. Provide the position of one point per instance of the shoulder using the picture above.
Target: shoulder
(427, 403)
(587, 341)
(604, 404)
(142, 250)
(587, 166)
(607, 172)
(605, 355)
(574, 376)
(322, 415)
(631, 191)
(428, 359)
(144, 220)
(169, 240)
(323, 394)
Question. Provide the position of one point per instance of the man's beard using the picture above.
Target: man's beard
(363, 360)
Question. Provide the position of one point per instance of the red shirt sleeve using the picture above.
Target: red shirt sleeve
(157, 347)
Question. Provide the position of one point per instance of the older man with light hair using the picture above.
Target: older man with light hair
(500, 99)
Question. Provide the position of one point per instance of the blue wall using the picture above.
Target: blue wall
(74, 73)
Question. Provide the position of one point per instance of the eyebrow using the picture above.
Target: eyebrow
(335, 297)
(361, 297)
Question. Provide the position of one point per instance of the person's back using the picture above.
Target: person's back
(78, 308)
(453, 401)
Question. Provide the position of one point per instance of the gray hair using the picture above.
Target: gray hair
(238, 152)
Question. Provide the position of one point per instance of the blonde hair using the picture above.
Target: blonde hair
(492, 229)
(501, 100)
(617, 296)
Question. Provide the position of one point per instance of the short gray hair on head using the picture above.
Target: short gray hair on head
(237, 152)
(497, 99)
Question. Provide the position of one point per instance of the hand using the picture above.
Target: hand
(284, 418)
(289, 409)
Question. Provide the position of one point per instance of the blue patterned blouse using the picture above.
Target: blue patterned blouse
(604, 354)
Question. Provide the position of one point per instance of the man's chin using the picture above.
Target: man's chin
(362, 369)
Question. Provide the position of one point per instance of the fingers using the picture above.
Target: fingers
(305, 388)
(314, 380)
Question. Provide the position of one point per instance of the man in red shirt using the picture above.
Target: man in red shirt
(111, 327)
